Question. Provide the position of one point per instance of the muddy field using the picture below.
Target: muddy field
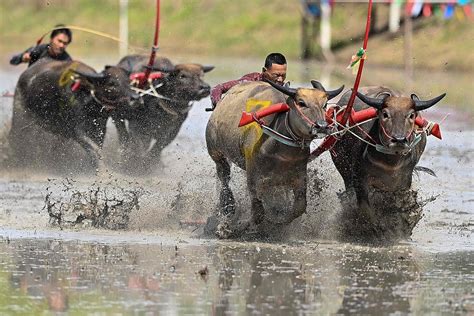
(160, 262)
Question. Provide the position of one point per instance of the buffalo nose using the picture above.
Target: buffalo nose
(134, 96)
(321, 124)
(399, 140)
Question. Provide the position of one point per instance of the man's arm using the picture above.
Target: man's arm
(37, 52)
(220, 89)
(22, 57)
(217, 91)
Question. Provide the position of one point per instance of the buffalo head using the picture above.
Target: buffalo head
(110, 88)
(396, 117)
(307, 115)
(184, 82)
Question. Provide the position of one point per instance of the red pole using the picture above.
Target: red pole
(151, 61)
(331, 140)
(348, 110)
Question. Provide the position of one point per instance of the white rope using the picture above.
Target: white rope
(151, 91)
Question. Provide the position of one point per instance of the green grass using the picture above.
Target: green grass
(231, 28)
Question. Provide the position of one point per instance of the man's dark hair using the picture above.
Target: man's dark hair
(64, 31)
(275, 58)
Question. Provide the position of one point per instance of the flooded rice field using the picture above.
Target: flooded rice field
(155, 259)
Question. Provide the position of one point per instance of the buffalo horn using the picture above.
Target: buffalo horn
(423, 105)
(373, 102)
(90, 76)
(317, 85)
(286, 90)
(414, 97)
(207, 68)
(331, 94)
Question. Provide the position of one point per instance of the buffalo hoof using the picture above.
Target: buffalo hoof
(225, 227)
(218, 227)
(211, 226)
(224, 230)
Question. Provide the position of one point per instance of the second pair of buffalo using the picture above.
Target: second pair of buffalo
(379, 155)
(70, 100)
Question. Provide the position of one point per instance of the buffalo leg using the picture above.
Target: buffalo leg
(92, 149)
(299, 206)
(122, 132)
(257, 209)
(226, 198)
(154, 153)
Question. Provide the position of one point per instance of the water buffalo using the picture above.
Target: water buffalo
(382, 166)
(44, 93)
(276, 172)
(155, 125)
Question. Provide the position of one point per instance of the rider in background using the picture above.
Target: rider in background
(55, 49)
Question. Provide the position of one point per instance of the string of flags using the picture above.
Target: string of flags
(460, 9)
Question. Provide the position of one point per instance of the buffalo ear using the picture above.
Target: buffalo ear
(207, 68)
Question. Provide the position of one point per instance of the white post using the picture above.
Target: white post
(326, 29)
(394, 20)
(123, 28)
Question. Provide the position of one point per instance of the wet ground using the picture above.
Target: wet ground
(160, 264)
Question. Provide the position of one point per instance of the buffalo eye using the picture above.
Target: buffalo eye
(412, 115)
(385, 114)
(302, 103)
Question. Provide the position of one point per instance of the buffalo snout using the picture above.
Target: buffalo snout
(204, 90)
(399, 140)
(399, 145)
(320, 129)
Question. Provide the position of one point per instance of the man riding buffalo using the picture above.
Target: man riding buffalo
(68, 99)
(56, 49)
(275, 163)
(274, 70)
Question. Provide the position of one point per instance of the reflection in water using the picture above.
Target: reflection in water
(42, 275)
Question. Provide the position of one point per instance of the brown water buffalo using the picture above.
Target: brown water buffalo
(44, 93)
(276, 172)
(382, 168)
(155, 125)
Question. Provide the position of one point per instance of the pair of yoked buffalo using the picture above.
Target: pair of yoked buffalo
(276, 162)
(44, 95)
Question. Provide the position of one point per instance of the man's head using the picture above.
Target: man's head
(275, 68)
(60, 39)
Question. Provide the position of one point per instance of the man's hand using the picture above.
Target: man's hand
(26, 57)
(20, 58)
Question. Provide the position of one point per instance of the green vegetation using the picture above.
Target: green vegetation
(233, 28)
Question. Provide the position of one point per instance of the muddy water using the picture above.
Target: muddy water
(159, 265)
